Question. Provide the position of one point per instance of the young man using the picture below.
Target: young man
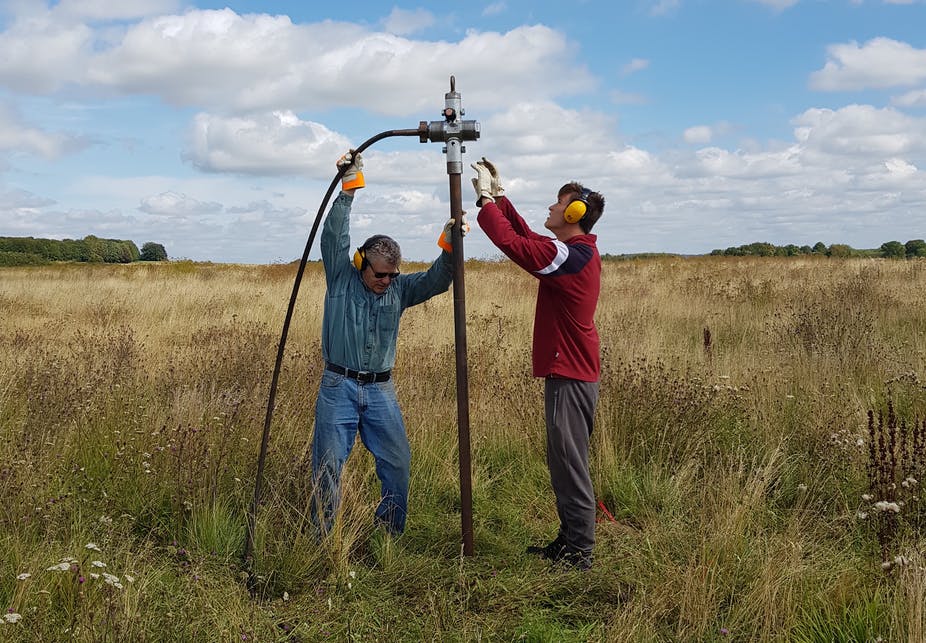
(365, 296)
(565, 347)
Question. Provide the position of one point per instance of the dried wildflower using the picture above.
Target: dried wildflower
(12, 617)
(92, 546)
(23, 576)
(883, 505)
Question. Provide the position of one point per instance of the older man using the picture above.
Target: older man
(366, 294)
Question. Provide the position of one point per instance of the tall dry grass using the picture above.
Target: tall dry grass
(730, 447)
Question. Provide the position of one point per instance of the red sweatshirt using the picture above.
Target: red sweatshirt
(565, 338)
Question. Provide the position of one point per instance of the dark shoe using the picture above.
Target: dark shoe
(553, 551)
(576, 560)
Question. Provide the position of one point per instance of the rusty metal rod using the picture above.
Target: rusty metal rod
(459, 326)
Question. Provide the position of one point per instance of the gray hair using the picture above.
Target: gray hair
(385, 248)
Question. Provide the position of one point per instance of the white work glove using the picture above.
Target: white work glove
(352, 179)
(497, 189)
(482, 183)
(445, 240)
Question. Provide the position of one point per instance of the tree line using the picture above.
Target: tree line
(29, 251)
(889, 250)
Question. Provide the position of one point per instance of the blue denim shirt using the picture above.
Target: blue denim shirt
(359, 327)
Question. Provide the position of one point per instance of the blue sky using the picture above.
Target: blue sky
(213, 127)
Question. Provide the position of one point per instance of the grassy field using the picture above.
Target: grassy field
(759, 442)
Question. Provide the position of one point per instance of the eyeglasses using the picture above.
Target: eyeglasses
(383, 275)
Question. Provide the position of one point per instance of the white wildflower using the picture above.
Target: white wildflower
(94, 576)
(60, 567)
(352, 574)
(129, 579)
(110, 579)
(12, 617)
(867, 497)
(802, 487)
(98, 563)
(887, 564)
(106, 520)
(861, 515)
(860, 442)
(92, 546)
(884, 505)
(23, 576)
(285, 594)
(789, 396)
(901, 560)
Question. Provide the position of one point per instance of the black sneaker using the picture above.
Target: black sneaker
(577, 560)
(553, 551)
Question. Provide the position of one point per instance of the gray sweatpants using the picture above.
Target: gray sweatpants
(570, 413)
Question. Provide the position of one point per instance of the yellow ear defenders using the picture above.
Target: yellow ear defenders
(360, 255)
(577, 208)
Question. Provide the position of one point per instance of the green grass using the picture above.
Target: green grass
(132, 401)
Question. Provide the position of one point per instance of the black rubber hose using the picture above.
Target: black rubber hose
(265, 438)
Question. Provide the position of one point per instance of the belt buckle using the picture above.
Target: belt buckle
(365, 377)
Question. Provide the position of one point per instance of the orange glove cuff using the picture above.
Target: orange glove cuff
(354, 183)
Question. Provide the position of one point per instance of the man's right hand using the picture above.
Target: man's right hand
(497, 189)
(352, 179)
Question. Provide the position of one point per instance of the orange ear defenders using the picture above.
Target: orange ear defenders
(360, 255)
(577, 207)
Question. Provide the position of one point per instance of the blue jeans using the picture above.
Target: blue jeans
(346, 406)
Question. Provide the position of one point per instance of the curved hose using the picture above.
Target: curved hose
(265, 438)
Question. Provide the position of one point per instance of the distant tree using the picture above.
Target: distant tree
(893, 250)
(839, 250)
(806, 250)
(915, 248)
(151, 251)
(716, 252)
(94, 249)
(791, 250)
(819, 248)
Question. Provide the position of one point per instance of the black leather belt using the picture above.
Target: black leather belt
(364, 377)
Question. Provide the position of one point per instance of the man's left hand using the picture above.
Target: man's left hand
(444, 241)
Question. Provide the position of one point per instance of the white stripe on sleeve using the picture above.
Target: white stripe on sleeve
(562, 253)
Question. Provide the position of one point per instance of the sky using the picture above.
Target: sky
(213, 128)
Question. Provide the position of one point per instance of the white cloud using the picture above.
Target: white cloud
(698, 134)
(916, 98)
(171, 204)
(403, 23)
(879, 63)
(105, 10)
(495, 9)
(221, 60)
(17, 136)
(268, 144)
(635, 65)
(861, 131)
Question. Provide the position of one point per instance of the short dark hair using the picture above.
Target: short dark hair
(595, 204)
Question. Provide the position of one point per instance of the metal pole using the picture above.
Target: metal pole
(452, 131)
(459, 327)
